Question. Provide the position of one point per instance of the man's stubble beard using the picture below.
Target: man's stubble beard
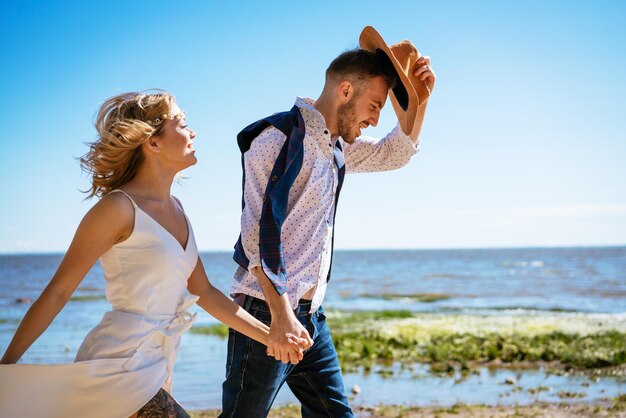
(346, 120)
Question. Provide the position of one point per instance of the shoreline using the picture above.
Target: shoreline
(399, 346)
(609, 407)
(559, 342)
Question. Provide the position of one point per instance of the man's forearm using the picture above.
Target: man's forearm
(279, 304)
(284, 324)
(421, 112)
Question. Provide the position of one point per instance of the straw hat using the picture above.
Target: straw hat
(409, 92)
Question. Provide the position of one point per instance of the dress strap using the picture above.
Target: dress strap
(178, 205)
(125, 194)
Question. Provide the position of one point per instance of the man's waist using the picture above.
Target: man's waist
(252, 302)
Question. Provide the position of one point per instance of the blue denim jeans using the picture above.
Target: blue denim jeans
(253, 378)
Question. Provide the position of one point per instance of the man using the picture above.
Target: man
(294, 163)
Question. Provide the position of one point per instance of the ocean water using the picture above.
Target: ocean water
(521, 281)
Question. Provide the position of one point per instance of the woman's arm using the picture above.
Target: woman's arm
(110, 221)
(222, 308)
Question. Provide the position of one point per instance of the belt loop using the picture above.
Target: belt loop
(247, 302)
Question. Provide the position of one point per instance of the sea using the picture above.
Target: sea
(522, 281)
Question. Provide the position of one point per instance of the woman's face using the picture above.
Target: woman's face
(176, 142)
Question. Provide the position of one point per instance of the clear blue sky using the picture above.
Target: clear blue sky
(523, 145)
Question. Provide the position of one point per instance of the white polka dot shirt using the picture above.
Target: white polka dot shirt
(308, 228)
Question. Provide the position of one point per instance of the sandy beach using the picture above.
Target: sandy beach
(615, 407)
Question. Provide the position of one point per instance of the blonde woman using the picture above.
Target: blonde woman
(152, 270)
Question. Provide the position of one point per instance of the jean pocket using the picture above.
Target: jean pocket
(321, 315)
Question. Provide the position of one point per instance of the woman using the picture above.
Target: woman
(149, 259)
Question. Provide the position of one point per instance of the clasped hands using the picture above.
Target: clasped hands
(287, 340)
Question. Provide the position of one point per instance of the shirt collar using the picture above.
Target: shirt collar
(313, 119)
(309, 112)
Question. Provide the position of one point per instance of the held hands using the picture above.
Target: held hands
(425, 73)
(287, 339)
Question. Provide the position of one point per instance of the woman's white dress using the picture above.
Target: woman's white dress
(129, 355)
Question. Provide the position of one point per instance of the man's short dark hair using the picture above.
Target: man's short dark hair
(358, 65)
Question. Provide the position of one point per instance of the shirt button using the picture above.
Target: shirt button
(325, 131)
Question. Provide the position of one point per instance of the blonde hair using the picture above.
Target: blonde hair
(124, 122)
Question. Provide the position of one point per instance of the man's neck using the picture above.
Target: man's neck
(328, 110)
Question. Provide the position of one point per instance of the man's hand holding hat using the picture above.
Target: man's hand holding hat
(424, 73)
(415, 79)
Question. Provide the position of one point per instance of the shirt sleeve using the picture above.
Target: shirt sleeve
(258, 162)
(368, 155)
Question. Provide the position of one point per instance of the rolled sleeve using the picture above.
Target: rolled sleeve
(368, 155)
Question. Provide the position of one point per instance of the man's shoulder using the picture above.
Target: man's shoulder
(271, 133)
(271, 130)
(285, 121)
(268, 138)
(278, 119)
(279, 125)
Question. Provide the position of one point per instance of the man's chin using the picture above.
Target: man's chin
(349, 138)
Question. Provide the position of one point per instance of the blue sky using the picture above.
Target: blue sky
(523, 143)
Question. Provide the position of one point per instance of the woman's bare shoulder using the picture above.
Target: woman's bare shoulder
(114, 212)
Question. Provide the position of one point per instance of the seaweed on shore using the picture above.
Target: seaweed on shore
(219, 330)
(366, 338)
(360, 340)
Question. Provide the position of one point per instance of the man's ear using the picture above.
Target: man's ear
(345, 90)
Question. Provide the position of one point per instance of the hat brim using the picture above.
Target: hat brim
(403, 96)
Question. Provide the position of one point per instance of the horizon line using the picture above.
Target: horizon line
(523, 247)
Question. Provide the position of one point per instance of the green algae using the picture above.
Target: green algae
(538, 389)
(565, 394)
(363, 338)
(602, 350)
(218, 330)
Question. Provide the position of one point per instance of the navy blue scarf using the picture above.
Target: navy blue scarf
(275, 201)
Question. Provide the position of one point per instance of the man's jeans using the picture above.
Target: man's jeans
(253, 378)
